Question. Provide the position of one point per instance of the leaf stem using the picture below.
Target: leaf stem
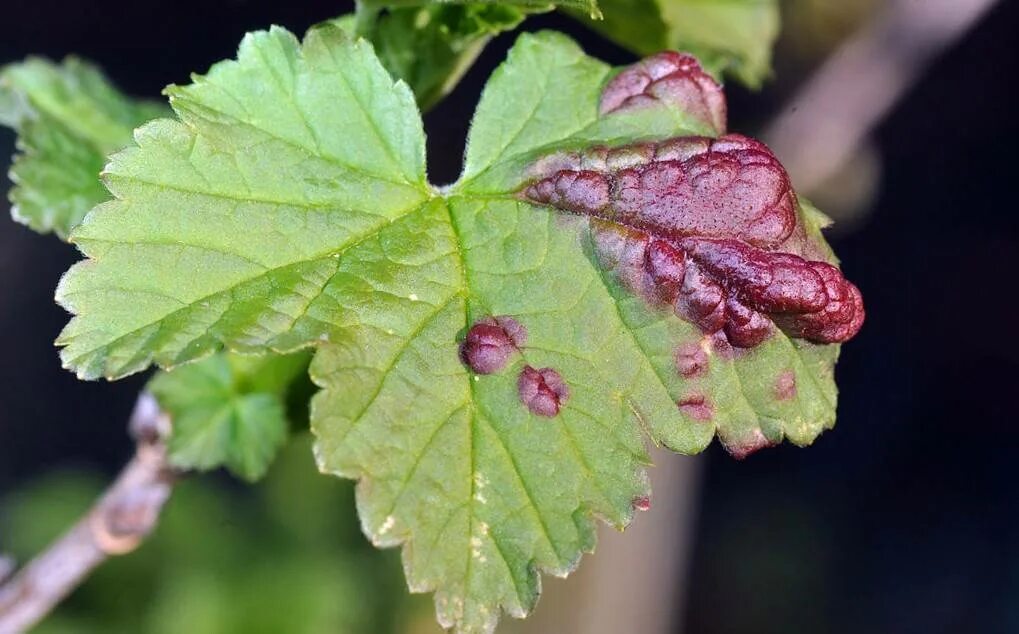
(117, 524)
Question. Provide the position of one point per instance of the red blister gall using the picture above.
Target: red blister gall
(697, 407)
(785, 385)
(543, 391)
(691, 360)
(751, 443)
(707, 226)
(727, 188)
(668, 77)
(490, 342)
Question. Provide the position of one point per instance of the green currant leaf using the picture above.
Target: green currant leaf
(481, 490)
(228, 410)
(68, 117)
(489, 373)
(431, 47)
(733, 37)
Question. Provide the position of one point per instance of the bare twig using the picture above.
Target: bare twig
(856, 88)
(120, 520)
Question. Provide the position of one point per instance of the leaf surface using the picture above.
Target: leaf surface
(732, 37)
(289, 208)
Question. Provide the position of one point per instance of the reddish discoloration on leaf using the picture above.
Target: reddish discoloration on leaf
(785, 385)
(691, 360)
(710, 227)
(732, 187)
(642, 503)
(697, 407)
(543, 391)
(670, 77)
(490, 342)
(667, 266)
(839, 320)
(742, 448)
(719, 345)
(707, 226)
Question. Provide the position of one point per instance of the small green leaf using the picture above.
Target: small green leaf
(431, 47)
(638, 25)
(68, 118)
(532, 101)
(228, 410)
(289, 208)
(733, 37)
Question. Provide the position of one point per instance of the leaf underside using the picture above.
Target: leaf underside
(289, 207)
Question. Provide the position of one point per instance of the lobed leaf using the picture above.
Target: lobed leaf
(228, 410)
(68, 117)
(487, 376)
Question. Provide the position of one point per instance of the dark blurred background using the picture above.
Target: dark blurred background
(903, 519)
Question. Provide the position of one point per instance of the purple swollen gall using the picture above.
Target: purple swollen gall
(708, 226)
(490, 342)
(543, 391)
(669, 76)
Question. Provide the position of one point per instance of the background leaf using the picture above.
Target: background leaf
(731, 37)
(431, 47)
(590, 7)
(229, 410)
(68, 117)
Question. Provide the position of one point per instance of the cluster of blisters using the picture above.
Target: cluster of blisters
(715, 226)
(487, 348)
(707, 225)
(669, 76)
(543, 391)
